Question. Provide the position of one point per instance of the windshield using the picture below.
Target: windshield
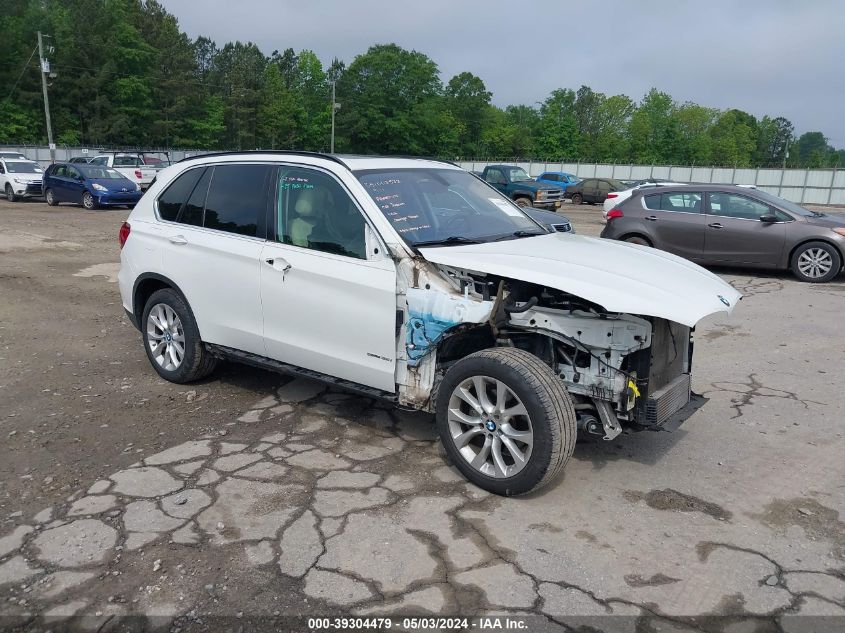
(785, 204)
(23, 168)
(444, 205)
(97, 172)
(517, 174)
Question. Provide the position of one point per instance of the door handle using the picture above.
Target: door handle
(652, 218)
(179, 240)
(715, 225)
(280, 264)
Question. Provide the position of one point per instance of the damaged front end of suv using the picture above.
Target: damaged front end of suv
(622, 368)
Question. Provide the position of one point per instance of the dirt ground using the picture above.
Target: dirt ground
(251, 500)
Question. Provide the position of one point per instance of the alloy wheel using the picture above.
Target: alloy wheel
(815, 263)
(490, 426)
(165, 337)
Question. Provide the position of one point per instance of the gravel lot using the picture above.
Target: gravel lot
(251, 495)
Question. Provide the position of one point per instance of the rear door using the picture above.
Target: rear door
(735, 234)
(212, 247)
(328, 288)
(676, 222)
(590, 189)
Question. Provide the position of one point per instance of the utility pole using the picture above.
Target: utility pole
(335, 108)
(785, 153)
(45, 70)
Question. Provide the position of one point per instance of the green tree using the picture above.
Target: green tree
(692, 124)
(734, 137)
(281, 115)
(773, 139)
(813, 149)
(558, 134)
(380, 91)
(652, 131)
(467, 99)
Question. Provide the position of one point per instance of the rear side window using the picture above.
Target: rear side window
(236, 198)
(171, 201)
(552, 177)
(686, 202)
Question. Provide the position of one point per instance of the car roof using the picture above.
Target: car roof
(351, 162)
(695, 187)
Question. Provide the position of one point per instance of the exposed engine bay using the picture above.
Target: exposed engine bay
(620, 369)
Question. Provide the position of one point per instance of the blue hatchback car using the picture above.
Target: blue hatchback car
(558, 179)
(92, 186)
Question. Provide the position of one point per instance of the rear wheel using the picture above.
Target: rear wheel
(88, 201)
(577, 198)
(816, 262)
(172, 339)
(505, 420)
(637, 239)
(10, 194)
(524, 202)
(51, 198)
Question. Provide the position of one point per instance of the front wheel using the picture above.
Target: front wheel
(524, 202)
(10, 194)
(88, 201)
(172, 339)
(577, 198)
(505, 420)
(51, 198)
(816, 262)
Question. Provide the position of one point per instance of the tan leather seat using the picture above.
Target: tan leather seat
(307, 210)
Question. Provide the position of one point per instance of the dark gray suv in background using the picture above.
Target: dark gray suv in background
(731, 225)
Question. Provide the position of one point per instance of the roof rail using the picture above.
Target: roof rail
(279, 152)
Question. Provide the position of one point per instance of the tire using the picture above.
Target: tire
(10, 194)
(548, 422)
(50, 198)
(816, 262)
(169, 309)
(637, 239)
(524, 202)
(88, 201)
(577, 198)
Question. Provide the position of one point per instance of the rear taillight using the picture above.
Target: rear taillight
(123, 235)
(138, 174)
(615, 213)
(612, 195)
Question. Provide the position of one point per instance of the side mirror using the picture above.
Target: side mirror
(769, 218)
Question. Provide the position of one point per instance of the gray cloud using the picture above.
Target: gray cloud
(775, 57)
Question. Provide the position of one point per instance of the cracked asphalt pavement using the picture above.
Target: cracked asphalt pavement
(254, 495)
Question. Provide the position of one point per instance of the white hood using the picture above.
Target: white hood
(618, 276)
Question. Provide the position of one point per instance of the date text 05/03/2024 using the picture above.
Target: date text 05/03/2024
(423, 623)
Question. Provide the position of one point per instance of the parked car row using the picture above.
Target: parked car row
(102, 180)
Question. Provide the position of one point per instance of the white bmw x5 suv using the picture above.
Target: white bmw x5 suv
(414, 281)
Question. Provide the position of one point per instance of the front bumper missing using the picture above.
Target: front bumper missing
(674, 421)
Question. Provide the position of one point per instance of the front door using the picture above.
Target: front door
(328, 290)
(735, 234)
(496, 178)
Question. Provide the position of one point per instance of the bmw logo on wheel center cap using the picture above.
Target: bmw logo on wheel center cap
(491, 426)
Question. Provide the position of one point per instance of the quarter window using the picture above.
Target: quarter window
(314, 211)
(552, 177)
(733, 206)
(195, 206)
(171, 201)
(236, 198)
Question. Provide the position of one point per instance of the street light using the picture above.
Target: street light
(335, 108)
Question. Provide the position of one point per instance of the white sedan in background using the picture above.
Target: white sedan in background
(616, 197)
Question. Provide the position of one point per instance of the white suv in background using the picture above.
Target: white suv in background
(618, 197)
(20, 178)
(416, 282)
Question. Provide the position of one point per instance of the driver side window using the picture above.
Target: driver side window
(314, 211)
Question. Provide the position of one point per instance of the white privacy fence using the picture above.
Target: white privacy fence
(810, 186)
(804, 186)
(41, 153)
